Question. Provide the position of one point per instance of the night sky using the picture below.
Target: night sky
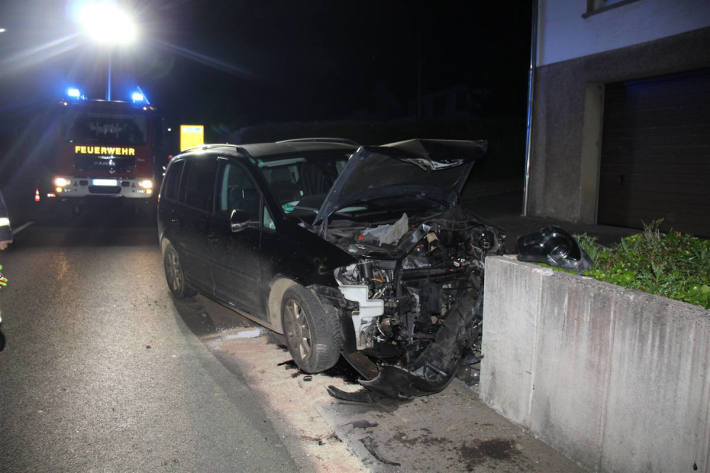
(245, 62)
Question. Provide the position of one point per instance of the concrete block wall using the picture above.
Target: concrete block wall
(616, 379)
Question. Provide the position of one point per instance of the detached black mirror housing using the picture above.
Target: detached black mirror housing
(554, 246)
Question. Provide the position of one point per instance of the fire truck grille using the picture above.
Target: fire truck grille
(105, 189)
(105, 163)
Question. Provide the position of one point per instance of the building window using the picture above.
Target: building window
(598, 6)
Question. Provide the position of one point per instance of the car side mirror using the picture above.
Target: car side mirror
(239, 220)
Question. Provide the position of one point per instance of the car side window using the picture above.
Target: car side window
(172, 180)
(268, 220)
(237, 191)
(198, 184)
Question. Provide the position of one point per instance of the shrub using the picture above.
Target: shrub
(673, 264)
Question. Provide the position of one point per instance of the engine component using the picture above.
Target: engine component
(364, 319)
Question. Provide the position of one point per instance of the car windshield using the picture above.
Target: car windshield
(104, 128)
(301, 181)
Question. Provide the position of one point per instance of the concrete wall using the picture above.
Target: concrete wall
(567, 118)
(564, 34)
(617, 380)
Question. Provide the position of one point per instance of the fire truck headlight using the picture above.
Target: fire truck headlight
(61, 181)
(146, 184)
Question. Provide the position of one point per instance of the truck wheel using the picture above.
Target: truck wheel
(312, 330)
(174, 273)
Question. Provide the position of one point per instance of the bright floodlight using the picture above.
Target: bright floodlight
(73, 92)
(107, 24)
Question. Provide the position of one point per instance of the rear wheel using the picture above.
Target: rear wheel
(174, 273)
(312, 330)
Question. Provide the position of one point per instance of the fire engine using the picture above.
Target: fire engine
(103, 149)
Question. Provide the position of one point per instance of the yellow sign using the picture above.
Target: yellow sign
(105, 150)
(191, 135)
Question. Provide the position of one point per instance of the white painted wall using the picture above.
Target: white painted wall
(563, 33)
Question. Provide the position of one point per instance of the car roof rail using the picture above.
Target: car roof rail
(344, 141)
(207, 146)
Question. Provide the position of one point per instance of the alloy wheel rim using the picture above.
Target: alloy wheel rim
(298, 331)
(174, 270)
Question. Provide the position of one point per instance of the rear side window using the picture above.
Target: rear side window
(198, 183)
(172, 180)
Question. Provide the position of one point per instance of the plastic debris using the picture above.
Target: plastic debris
(388, 234)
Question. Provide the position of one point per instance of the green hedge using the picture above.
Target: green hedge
(673, 265)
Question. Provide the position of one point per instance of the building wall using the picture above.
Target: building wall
(568, 112)
(564, 34)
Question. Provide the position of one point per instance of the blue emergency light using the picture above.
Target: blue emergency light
(138, 97)
(75, 93)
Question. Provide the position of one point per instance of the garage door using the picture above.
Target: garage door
(656, 153)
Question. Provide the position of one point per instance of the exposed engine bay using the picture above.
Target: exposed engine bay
(415, 297)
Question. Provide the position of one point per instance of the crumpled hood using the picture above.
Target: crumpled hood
(431, 169)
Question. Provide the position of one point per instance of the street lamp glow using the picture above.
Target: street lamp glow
(107, 24)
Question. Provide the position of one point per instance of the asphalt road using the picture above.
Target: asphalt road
(105, 372)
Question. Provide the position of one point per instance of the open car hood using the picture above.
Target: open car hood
(423, 169)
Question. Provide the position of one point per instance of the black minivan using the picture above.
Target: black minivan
(222, 231)
(360, 251)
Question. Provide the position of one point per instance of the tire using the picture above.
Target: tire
(312, 330)
(174, 274)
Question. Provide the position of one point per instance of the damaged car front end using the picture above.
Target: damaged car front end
(410, 305)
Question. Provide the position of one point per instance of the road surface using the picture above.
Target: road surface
(103, 371)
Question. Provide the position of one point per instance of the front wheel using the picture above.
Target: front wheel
(312, 330)
(174, 273)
